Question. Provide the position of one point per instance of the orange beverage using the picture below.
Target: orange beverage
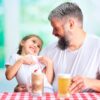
(64, 82)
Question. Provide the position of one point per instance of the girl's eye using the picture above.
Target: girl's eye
(38, 46)
(34, 41)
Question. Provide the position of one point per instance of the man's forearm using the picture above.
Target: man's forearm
(94, 84)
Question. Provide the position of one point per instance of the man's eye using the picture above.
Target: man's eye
(56, 28)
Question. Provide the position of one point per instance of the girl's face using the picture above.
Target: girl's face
(31, 46)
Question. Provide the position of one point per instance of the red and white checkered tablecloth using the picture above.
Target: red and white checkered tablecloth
(48, 96)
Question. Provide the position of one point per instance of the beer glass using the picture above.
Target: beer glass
(64, 82)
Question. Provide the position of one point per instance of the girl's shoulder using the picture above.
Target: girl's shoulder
(10, 60)
(14, 56)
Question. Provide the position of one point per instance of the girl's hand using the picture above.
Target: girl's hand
(20, 88)
(27, 60)
(45, 60)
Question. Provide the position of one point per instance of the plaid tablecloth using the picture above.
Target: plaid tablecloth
(47, 96)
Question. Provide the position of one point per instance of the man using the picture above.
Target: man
(75, 52)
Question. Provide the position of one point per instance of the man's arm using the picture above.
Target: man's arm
(93, 84)
(80, 83)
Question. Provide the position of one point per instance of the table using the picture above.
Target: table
(48, 96)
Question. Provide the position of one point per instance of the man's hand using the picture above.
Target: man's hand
(80, 83)
(77, 85)
(20, 88)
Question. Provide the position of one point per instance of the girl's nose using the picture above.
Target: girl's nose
(35, 44)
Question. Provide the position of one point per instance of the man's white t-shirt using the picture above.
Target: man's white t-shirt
(84, 61)
(23, 75)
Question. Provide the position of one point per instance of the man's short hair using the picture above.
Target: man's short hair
(67, 9)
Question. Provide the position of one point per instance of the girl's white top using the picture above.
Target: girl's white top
(23, 75)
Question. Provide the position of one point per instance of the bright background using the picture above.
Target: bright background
(22, 17)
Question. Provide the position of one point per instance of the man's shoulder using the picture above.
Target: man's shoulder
(93, 40)
(93, 37)
(50, 47)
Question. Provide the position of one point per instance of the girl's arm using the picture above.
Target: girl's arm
(49, 68)
(12, 70)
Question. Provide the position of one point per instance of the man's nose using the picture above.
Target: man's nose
(54, 33)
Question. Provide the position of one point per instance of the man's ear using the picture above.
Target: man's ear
(71, 23)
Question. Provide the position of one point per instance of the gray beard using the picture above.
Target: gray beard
(63, 43)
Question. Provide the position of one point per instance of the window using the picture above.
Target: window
(1, 35)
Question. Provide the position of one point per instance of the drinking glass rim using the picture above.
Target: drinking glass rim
(64, 75)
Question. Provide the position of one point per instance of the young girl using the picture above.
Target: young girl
(26, 61)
